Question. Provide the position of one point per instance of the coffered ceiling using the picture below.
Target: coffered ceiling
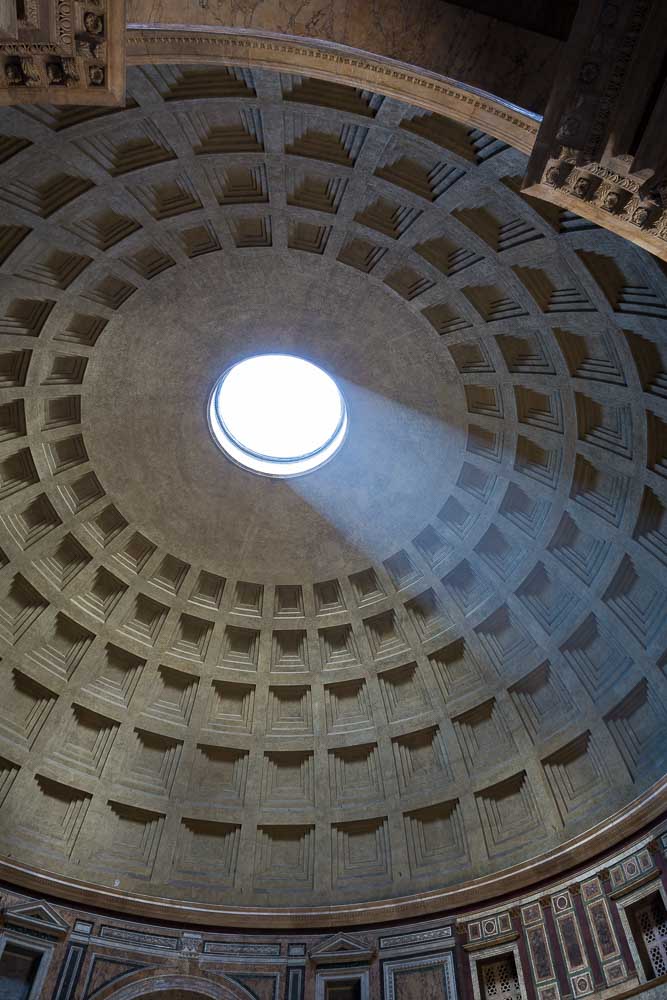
(437, 657)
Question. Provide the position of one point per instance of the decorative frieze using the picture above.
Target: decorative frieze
(490, 931)
(63, 52)
(597, 152)
(560, 946)
(632, 872)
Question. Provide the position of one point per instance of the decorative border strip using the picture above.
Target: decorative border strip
(165, 43)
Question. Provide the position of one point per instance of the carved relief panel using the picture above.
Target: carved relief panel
(62, 52)
(600, 150)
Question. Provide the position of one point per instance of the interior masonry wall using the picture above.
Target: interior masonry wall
(576, 937)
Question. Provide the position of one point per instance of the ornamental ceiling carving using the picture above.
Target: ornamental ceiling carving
(62, 51)
(435, 658)
(600, 150)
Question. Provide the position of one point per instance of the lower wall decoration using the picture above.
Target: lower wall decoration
(602, 931)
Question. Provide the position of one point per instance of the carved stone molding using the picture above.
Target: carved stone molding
(158, 43)
(600, 151)
(340, 949)
(149, 984)
(63, 52)
(40, 918)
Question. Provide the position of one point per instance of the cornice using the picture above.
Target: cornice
(168, 43)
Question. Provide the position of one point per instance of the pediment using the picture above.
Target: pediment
(341, 948)
(39, 916)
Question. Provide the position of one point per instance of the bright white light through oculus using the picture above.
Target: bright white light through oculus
(277, 415)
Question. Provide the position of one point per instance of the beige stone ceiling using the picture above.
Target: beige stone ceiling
(438, 656)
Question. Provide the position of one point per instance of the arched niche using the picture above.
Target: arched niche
(168, 986)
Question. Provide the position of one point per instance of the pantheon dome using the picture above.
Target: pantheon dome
(389, 720)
